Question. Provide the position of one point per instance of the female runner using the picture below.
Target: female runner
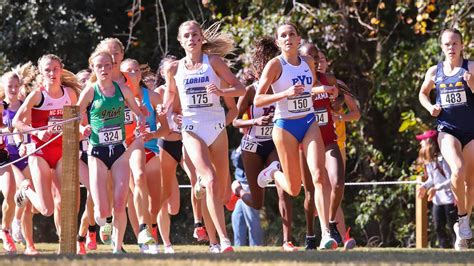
(257, 145)
(453, 80)
(44, 107)
(104, 101)
(292, 78)
(197, 77)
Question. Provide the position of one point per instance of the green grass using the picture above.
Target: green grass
(261, 256)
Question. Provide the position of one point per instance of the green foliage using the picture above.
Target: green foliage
(33, 28)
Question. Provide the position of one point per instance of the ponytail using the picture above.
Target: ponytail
(68, 79)
(215, 42)
(264, 50)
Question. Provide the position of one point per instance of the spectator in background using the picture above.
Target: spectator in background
(245, 219)
(438, 188)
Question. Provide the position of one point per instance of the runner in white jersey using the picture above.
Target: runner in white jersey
(202, 112)
(173, 153)
(198, 78)
(292, 78)
(258, 149)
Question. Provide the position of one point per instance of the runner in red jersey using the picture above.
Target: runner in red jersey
(334, 161)
(43, 107)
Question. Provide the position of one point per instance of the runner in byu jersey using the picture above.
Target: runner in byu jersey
(258, 149)
(292, 78)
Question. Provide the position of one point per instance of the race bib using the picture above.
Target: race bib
(10, 140)
(322, 117)
(110, 135)
(300, 103)
(263, 132)
(188, 128)
(219, 126)
(453, 98)
(128, 116)
(53, 124)
(30, 147)
(147, 130)
(84, 145)
(198, 98)
(249, 146)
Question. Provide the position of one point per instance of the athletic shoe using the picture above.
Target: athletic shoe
(459, 244)
(464, 227)
(115, 251)
(335, 233)
(31, 251)
(105, 233)
(121, 251)
(8, 243)
(226, 246)
(215, 248)
(149, 248)
(200, 234)
(199, 190)
(265, 177)
(349, 242)
(91, 241)
(169, 249)
(98, 220)
(289, 247)
(327, 242)
(20, 197)
(234, 186)
(231, 204)
(310, 243)
(81, 248)
(145, 237)
(16, 231)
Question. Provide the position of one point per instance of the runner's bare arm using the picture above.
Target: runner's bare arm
(242, 105)
(424, 95)
(21, 116)
(270, 74)
(235, 88)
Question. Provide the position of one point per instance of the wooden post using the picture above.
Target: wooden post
(421, 219)
(69, 181)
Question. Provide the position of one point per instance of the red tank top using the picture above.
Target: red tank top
(322, 104)
(50, 112)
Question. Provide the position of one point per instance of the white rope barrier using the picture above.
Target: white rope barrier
(384, 183)
(33, 152)
(40, 128)
(381, 183)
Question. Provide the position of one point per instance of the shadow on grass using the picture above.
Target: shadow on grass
(266, 257)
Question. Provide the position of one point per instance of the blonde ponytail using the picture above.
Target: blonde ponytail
(27, 74)
(215, 42)
(68, 79)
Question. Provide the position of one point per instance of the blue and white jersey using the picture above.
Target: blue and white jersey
(295, 106)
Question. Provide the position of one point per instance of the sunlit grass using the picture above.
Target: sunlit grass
(261, 256)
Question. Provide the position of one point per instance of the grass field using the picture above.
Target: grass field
(261, 256)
